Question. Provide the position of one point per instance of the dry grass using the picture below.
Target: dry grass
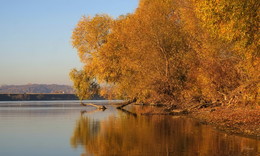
(244, 121)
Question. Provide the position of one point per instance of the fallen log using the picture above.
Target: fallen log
(93, 111)
(97, 106)
(126, 103)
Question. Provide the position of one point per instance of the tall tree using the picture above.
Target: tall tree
(175, 50)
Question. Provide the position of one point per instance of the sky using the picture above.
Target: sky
(35, 37)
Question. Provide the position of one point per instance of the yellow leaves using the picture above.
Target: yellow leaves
(90, 34)
(84, 83)
(169, 48)
(233, 21)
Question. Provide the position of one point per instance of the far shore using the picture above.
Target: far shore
(42, 96)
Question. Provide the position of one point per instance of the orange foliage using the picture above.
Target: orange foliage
(180, 51)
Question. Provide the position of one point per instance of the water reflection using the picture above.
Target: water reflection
(125, 134)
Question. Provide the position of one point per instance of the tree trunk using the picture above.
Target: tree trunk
(127, 103)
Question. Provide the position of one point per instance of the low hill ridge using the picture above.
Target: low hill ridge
(36, 88)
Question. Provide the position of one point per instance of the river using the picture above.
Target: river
(53, 128)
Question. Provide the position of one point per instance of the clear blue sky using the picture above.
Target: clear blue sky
(35, 37)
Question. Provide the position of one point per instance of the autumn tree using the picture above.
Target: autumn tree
(84, 84)
(234, 24)
(89, 35)
(175, 51)
(144, 51)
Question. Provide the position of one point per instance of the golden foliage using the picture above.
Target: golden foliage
(84, 84)
(175, 50)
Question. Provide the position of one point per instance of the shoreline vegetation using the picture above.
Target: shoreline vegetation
(199, 58)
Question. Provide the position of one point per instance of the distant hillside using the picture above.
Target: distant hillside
(36, 88)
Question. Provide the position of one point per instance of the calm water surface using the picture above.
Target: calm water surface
(54, 128)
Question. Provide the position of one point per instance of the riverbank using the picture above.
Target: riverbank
(240, 120)
(243, 121)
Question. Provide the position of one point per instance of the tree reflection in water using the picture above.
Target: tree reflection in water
(156, 135)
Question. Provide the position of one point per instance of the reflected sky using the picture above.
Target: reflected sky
(40, 131)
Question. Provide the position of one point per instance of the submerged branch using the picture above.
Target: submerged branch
(126, 103)
(97, 106)
(89, 112)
